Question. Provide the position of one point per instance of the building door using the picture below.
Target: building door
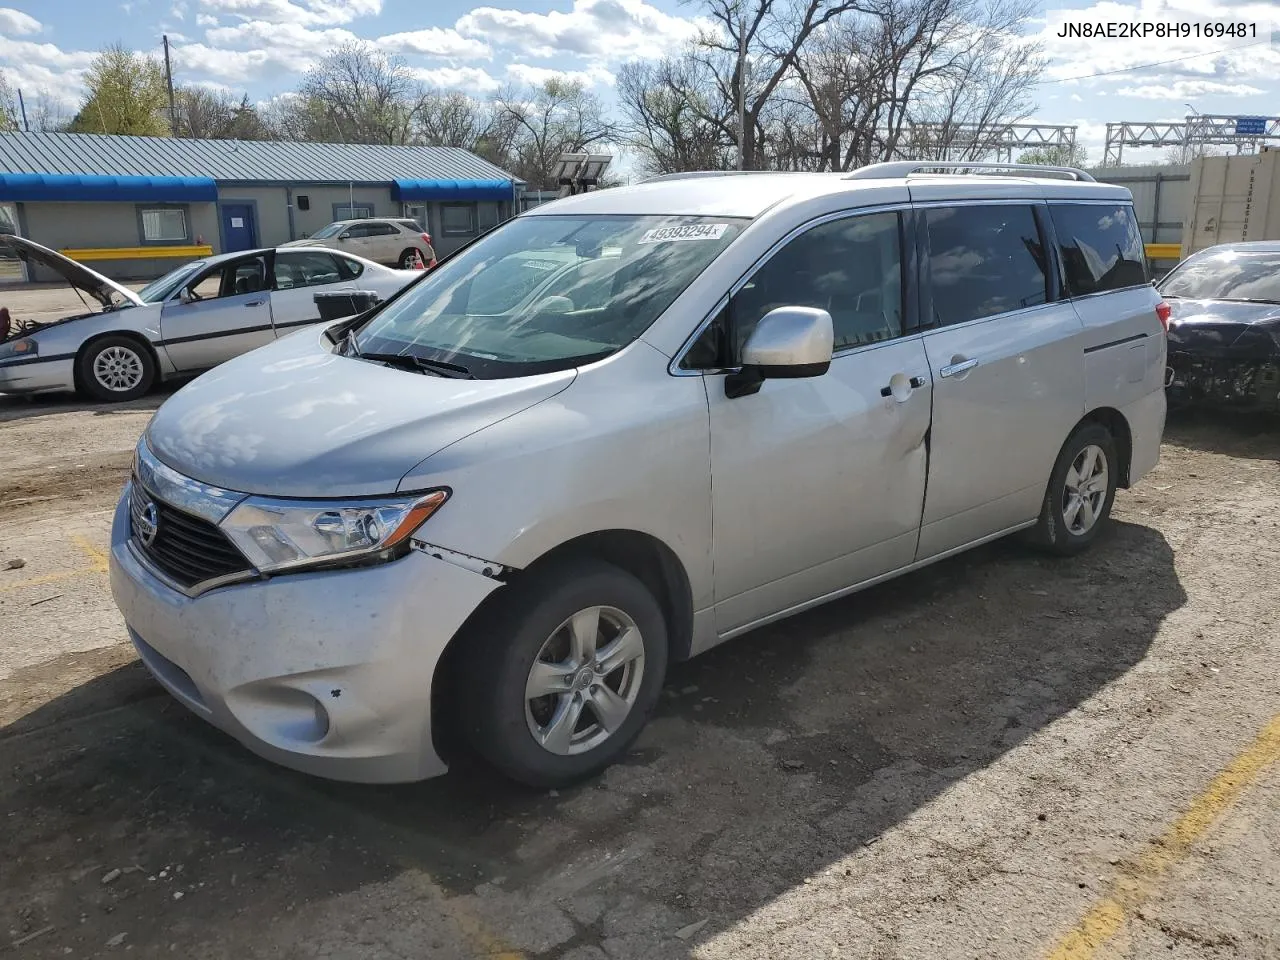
(11, 268)
(239, 231)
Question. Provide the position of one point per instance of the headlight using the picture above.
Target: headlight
(22, 347)
(279, 535)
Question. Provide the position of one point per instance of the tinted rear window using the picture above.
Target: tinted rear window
(984, 260)
(1100, 245)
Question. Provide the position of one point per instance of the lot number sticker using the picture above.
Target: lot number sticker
(696, 231)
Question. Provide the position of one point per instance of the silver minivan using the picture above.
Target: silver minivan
(619, 430)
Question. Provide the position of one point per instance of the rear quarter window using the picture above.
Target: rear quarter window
(1100, 246)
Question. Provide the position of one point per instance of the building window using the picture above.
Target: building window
(488, 216)
(352, 211)
(458, 219)
(164, 225)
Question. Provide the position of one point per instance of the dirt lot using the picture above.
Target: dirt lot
(999, 757)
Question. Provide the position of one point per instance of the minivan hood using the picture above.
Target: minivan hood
(293, 419)
(77, 274)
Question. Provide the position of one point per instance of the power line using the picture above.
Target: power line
(1158, 63)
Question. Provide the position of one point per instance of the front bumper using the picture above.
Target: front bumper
(1243, 383)
(328, 673)
(37, 375)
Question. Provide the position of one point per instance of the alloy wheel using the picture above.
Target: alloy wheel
(1085, 491)
(584, 681)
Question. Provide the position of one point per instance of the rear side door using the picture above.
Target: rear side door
(1105, 272)
(223, 312)
(1004, 351)
(817, 484)
(385, 242)
(298, 275)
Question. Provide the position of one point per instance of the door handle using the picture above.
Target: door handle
(953, 369)
(258, 303)
(914, 383)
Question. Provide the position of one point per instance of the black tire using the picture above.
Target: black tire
(134, 361)
(502, 645)
(1052, 533)
(406, 258)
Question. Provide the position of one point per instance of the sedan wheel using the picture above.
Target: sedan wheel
(585, 680)
(115, 368)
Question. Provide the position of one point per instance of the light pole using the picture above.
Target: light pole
(742, 84)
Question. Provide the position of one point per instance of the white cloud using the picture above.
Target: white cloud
(1181, 90)
(609, 30)
(204, 20)
(311, 13)
(471, 80)
(537, 76)
(256, 49)
(16, 23)
(435, 42)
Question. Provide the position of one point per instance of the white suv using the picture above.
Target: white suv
(618, 430)
(391, 240)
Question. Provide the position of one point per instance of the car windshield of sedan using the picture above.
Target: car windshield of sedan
(1230, 275)
(546, 293)
(332, 230)
(160, 289)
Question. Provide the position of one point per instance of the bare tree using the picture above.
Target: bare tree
(205, 114)
(672, 116)
(357, 94)
(9, 119)
(558, 117)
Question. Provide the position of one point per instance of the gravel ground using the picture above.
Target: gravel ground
(969, 762)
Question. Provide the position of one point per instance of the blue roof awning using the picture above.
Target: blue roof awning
(76, 187)
(412, 190)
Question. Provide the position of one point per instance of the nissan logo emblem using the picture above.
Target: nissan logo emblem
(148, 523)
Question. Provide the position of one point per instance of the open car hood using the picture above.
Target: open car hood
(106, 292)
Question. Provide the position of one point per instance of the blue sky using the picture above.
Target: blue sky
(262, 47)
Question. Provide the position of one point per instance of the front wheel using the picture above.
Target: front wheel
(1082, 488)
(116, 368)
(562, 676)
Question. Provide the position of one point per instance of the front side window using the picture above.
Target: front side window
(160, 288)
(327, 232)
(548, 293)
(164, 225)
(852, 268)
(984, 260)
(308, 269)
(230, 280)
(458, 219)
(1232, 274)
(1100, 245)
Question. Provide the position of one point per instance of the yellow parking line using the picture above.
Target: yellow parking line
(97, 559)
(1137, 881)
(93, 553)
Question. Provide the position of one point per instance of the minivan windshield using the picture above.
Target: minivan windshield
(1229, 275)
(545, 293)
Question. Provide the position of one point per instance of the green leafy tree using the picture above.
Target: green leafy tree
(8, 106)
(1057, 155)
(126, 94)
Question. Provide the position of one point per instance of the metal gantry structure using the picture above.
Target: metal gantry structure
(974, 141)
(1246, 134)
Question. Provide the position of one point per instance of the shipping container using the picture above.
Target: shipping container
(1233, 199)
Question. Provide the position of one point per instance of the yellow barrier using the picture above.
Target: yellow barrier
(1164, 251)
(138, 253)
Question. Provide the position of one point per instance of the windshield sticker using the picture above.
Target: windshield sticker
(542, 264)
(693, 231)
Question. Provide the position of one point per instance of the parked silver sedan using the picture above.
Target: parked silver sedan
(193, 318)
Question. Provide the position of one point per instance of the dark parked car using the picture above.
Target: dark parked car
(1224, 332)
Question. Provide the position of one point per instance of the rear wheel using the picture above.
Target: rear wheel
(116, 368)
(408, 258)
(1082, 488)
(562, 677)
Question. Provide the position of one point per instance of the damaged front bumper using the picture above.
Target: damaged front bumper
(1239, 383)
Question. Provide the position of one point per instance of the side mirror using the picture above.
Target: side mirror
(345, 236)
(787, 343)
(185, 297)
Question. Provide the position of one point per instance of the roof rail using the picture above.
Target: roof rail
(700, 174)
(904, 168)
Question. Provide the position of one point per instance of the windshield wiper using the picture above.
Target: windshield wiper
(405, 361)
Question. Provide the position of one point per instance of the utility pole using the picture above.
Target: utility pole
(22, 105)
(168, 78)
(742, 86)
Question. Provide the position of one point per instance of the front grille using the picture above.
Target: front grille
(188, 549)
